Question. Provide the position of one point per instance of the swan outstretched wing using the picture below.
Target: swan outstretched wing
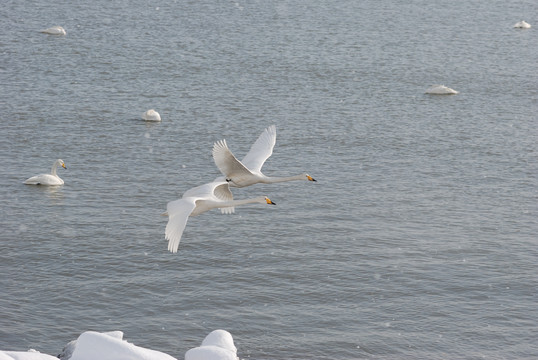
(178, 214)
(224, 193)
(261, 150)
(226, 161)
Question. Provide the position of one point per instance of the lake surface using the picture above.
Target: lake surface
(419, 240)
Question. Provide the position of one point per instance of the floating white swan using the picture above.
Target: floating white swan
(151, 115)
(47, 179)
(218, 345)
(522, 25)
(441, 90)
(248, 171)
(55, 30)
(198, 200)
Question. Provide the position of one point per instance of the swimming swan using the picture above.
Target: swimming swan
(55, 30)
(441, 90)
(198, 200)
(151, 115)
(248, 171)
(48, 179)
(522, 25)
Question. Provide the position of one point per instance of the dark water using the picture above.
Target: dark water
(418, 240)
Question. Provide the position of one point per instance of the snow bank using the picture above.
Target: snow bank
(25, 355)
(218, 345)
(91, 345)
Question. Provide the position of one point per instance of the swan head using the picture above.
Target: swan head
(309, 178)
(59, 162)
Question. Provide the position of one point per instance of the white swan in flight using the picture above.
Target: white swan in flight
(441, 90)
(248, 171)
(151, 115)
(198, 200)
(48, 179)
(55, 30)
(522, 25)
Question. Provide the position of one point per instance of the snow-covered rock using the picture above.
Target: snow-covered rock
(218, 345)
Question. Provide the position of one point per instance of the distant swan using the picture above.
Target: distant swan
(48, 179)
(522, 25)
(198, 200)
(441, 90)
(218, 345)
(248, 171)
(151, 115)
(55, 30)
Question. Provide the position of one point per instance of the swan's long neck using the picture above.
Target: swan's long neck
(276, 179)
(54, 167)
(260, 199)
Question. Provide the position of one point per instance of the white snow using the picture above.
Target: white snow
(25, 355)
(218, 345)
(92, 345)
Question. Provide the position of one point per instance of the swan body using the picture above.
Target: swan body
(48, 179)
(248, 171)
(55, 30)
(218, 345)
(441, 90)
(151, 115)
(522, 25)
(198, 200)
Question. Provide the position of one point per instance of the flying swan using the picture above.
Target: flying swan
(55, 30)
(48, 179)
(248, 171)
(198, 200)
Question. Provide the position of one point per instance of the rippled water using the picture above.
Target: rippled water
(417, 241)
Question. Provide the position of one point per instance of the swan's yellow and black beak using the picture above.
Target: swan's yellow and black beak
(269, 201)
(63, 165)
(310, 178)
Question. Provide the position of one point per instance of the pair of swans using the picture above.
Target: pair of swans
(217, 194)
(51, 179)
